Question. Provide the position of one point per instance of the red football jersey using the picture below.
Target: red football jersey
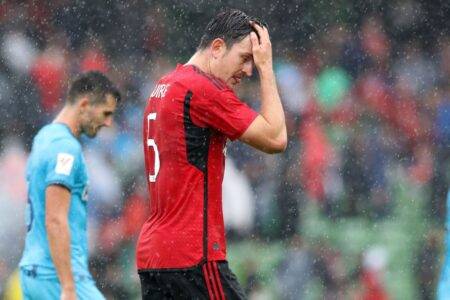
(188, 118)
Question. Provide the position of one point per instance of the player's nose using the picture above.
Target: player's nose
(108, 121)
(248, 68)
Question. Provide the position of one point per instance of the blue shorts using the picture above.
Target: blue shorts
(37, 285)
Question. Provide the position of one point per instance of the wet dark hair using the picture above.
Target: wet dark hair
(232, 25)
(94, 84)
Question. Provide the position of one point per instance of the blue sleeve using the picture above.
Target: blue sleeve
(447, 221)
(443, 291)
(63, 158)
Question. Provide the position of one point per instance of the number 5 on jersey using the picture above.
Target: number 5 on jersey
(151, 143)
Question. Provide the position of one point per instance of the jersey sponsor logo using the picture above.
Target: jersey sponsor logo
(160, 91)
(64, 163)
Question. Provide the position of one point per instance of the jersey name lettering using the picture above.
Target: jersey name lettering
(159, 91)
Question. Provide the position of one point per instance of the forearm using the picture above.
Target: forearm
(59, 242)
(268, 131)
(271, 107)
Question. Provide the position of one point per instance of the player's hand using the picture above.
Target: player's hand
(262, 48)
(68, 294)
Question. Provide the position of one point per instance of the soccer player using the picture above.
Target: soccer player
(443, 292)
(192, 111)
(54, 263)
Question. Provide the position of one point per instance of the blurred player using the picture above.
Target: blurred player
(443, 292)
(190, 114)
(54, 264)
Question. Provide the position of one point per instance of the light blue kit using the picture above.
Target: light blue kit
(443, 292)
(56, 158)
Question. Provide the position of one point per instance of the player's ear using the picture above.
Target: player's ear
(218, 47)
(83, 102)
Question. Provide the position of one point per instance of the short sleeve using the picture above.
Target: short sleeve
(224, 112)
(62, 159)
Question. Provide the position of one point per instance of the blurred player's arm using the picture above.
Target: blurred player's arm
(268, 131)
(57, 203)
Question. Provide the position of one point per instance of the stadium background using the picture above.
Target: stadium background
(353, 209)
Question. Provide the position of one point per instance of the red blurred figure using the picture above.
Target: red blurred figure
(396, 108)
(49, 72)
(371, 277)
(134, 214)
(375, 41)
(316, 154)
(93, 58)
(372, 286)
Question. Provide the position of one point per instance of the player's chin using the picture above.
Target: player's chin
(92, 133)
(234, 83)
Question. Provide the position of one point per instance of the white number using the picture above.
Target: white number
(151, 143)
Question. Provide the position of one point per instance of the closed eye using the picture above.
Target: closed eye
(246, 58)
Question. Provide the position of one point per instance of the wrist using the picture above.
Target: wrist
(265, 70)
(68, 286)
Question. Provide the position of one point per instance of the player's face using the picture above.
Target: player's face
(235, 62)
(96, 116)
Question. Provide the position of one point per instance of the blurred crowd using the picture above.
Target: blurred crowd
(367, 105)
